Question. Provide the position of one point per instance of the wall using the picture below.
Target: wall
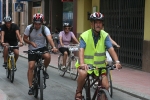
(146, 42)
(83, 7)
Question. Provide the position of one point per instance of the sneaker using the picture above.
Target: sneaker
(46, 75)
(15, 68)
(30, 91)
(63, 67)
(5, 65)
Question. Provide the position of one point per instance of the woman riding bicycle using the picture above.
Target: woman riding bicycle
(65, 39)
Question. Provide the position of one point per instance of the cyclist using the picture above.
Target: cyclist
(9, 35)
(37, 42)
(65, 37)
(92, 51)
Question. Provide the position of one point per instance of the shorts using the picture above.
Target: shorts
(33, 57)
(63, 49)
(12, 43)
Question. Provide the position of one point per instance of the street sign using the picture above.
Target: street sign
(18, 7)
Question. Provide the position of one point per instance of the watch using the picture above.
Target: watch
(117, 61)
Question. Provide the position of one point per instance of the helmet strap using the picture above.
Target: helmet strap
(94, 28)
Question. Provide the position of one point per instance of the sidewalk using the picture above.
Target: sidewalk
(128, 80)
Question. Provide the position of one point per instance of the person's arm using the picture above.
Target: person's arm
(81, 55)
(112, 52)
(49, 39)
(60, 39)
(74, 38)
(113, 42)
(19, 37)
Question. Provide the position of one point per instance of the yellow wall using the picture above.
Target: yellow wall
(147, 21)
(96, 3)
(83, 7)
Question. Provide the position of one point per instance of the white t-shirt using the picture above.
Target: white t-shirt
(37, 37)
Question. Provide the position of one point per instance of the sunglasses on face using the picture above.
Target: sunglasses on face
(67, 28)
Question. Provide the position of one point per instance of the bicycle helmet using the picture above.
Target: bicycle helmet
(96, 16)
(7, 19)
(66, 25)
(38, 18)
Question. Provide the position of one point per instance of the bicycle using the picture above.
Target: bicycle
(70, 63)
(10, 63)
(110, 90)
(100, 92)
(39, 81)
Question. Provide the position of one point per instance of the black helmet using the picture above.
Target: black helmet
(96, 16)
(66, 25)
(7, 19)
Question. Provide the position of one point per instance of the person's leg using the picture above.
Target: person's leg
(5, 53)
(65, 54)
(80, 82)
(16, 52)
(47, 59)
(105, 82)
(31, 64)
(30, 76)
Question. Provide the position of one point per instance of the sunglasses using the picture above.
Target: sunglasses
(67, 28)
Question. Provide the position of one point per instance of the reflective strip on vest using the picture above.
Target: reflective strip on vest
(99, 62)
(96, 54)
(100, 54)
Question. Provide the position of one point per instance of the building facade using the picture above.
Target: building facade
(127, 21)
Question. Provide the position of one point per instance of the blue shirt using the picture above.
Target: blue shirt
(108, 43)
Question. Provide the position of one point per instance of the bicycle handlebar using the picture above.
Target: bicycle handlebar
(107, 67)
(35, 52)
(72, 47)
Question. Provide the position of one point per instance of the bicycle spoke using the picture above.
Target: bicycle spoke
(73, 69)
(60, 63)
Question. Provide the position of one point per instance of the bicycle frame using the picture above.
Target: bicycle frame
(88, 85)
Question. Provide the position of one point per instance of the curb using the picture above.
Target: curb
(117, 87)
(3, 96)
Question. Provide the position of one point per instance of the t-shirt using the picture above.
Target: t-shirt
(66, 38)
(37, 37)
(10, 34)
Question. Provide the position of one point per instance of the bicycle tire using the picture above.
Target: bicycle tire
(103, 94)
(35, 83)
(60, 60)
(7, 69)
(41, 84)
(12, 69)
(110, 84)
(73, 69)
(86, 92)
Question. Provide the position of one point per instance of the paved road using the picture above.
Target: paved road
(58, 88)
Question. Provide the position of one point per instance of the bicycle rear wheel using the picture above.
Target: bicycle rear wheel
(103, 95)
(73, 69)
(110, 84)
(12, 63)
(41, 84)
(60, 63)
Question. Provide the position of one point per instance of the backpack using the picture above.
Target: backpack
(43, 32)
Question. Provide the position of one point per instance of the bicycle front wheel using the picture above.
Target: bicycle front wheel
(103, 95)
(60, 63)
(35, 83)
(73, 69)
(7, 68)
(12, 63)
(41, 84)
(110, 84)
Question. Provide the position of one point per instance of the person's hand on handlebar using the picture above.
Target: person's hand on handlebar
(21, 44)
(83, 67)
(118, 65)
(5, 44)
(54, 50)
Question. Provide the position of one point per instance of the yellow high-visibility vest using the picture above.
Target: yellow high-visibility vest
(94, 56)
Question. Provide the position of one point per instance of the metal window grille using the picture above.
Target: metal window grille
(124, 21)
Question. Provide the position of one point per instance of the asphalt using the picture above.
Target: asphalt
(132, 81)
